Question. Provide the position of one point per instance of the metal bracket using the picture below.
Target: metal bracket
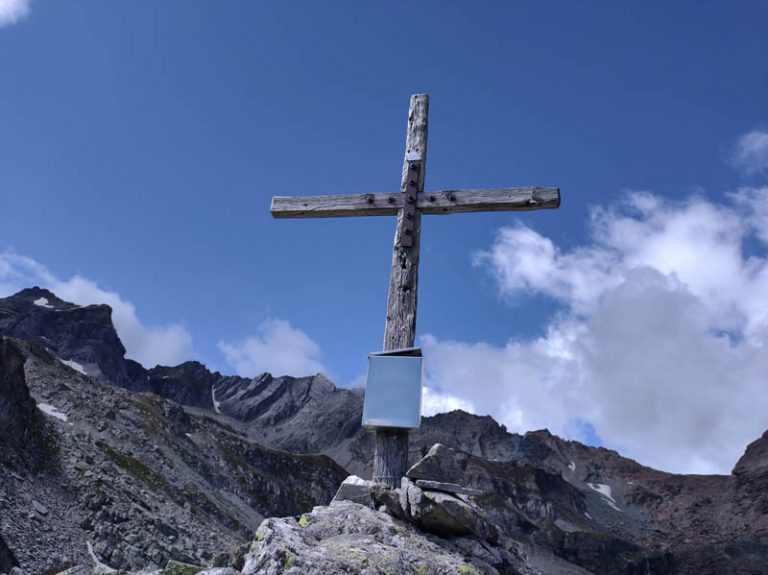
(414, 156)
(409, 206)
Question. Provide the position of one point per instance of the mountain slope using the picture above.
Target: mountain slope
(140, 479)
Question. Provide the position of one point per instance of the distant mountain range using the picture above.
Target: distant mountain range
(105, 464)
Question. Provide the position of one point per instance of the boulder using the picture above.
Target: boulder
(438, 465)
(446, 514)
(469, 517)
(39, 507)
(447, 487)
(387, 499)
(356, 490)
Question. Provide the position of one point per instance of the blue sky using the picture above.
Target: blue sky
(141, 142)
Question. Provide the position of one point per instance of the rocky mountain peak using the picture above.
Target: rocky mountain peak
(461, 417)
(81, 335)
(754, 463)
(37, 299)
(37, 292)
(189, 383)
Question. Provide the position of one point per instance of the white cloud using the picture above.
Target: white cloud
(751, 153)
(150, 346)
(11, 11)
(434, 401)
(278, 348)
(167, 345)
(661, 343)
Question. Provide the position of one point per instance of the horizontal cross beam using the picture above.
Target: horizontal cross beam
(443, 202)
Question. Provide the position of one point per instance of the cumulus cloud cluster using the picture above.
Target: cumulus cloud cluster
(278, 348)
(11, 11)
(661, 341)
(434, 401)
(149, 345)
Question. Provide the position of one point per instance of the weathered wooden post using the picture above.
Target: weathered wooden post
(391, 453)
(390, 459)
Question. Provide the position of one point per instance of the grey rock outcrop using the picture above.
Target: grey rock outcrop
(351, 538)
(752, 468)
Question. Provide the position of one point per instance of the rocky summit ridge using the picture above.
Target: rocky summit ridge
(107, 466)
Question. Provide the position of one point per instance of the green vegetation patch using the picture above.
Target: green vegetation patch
(177, 568)
(290, 558)
(153, 417)
(133, 466)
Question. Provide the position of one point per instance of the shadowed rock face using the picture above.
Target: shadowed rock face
(189, 383)
(16, 405)
(82, 334)
(7, 560)
(24, 440)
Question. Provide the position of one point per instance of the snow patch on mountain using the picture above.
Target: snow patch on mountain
(602, 489)
(605, 491)
(74, 365)
(52, 411)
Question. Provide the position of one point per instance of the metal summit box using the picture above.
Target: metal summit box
(393, 389)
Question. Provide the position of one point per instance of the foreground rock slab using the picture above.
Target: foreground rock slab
(355, 489)
(350, 538)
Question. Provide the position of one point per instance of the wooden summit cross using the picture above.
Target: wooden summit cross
(391, 452)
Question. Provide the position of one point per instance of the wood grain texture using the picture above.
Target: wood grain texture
(390, 459)
(442, 202)
(400, 330)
